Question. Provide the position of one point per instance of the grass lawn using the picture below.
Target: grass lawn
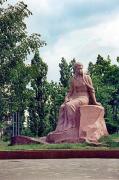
(107, 143)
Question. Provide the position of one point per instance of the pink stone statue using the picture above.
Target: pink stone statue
(81, 117)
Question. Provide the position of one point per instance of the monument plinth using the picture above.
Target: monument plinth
(90, 128)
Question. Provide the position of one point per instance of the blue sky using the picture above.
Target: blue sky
(75, 28)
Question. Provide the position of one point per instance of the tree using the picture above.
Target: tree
(64, 72)
(37, 106)
(15, 45)
(106, 83)
(56, 98)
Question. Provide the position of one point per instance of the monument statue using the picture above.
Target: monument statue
(81, 117)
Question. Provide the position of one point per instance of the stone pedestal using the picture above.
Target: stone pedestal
(90, 129)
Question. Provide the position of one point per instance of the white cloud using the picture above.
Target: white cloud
(100, 35)
(41, 6)
(108, 33)
(84, 44)
(49, 7)
(45, 7)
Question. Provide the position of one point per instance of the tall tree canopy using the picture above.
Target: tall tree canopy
(15, 46)
(105, 77)
(38, 102)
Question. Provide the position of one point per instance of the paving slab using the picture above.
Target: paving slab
(59, 169)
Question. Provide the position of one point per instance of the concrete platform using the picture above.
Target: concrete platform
(60, 169)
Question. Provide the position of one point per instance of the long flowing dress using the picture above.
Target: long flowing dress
(68, 126)
(69, 111)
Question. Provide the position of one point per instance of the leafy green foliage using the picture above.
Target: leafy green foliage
(66, 71)
(38, 102)
(105, 78)
(15, 46)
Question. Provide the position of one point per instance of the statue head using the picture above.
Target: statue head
(78, 68)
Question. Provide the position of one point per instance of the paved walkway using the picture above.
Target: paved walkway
(60, 169)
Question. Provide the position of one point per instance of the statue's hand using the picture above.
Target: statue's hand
(67, 100)
(98, 104)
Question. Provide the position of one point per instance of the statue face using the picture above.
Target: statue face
(79, 70)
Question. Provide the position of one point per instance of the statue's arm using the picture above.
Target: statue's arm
(92, 92)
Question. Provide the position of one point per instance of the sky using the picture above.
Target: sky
(79, 29)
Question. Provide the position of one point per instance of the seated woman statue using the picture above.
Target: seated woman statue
(80, 116)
